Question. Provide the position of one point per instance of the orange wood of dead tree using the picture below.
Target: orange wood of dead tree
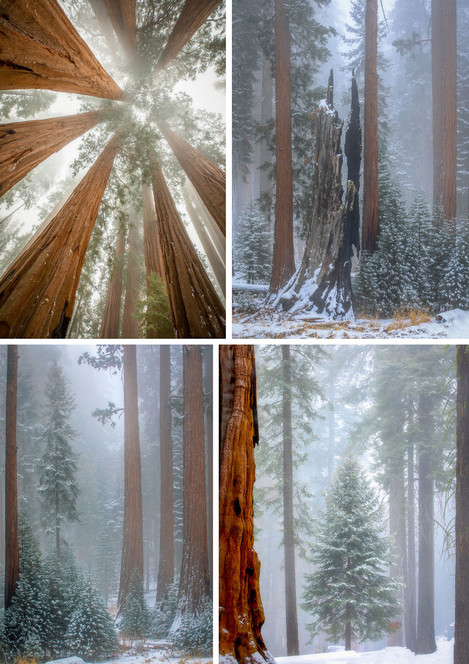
(37, 291)
(40, 49)
(208, 179)
(12, 558)
(112, 308)
(122, 14)
(193, 15)
(24, 145)
(195, 307)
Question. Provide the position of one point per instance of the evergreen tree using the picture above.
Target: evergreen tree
(135, 614)
(252, 246)
(164, 612)
(349, 594)
(194, 633)
(154, 314)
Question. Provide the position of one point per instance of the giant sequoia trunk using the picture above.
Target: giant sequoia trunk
(122, 14)
(151, 243)
(194, 584)
(24, 145)
(166, 560)
(397, 532)
(37, 292)
(193, 15)
(444, 92)
(207, 178)
(207, 362)
(370, 165)
(132, 544)
(12, 557)
(461, 632)
(283, 261)
(241, 611)
(322, 282)
(112, 308)
(41, 49)
(411, 585)
(353, 149)
(129, 320)
(196, 309)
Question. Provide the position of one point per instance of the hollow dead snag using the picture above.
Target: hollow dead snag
(207, 178)
(37, 291)
(122, 14)
(241, 611)
(196, 309)
(24, 145)
(112, 308)
(193, 15)
(40, 49)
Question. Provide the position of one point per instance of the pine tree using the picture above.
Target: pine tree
(252, 246)
(349, 594)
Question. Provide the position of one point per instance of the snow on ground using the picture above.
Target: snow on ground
(270, 324)
(444, 655)
(151, 653)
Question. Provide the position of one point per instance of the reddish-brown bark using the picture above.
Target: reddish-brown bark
(112, 308)
(196, 309)
(241, 611)
(23, 145)
(193, 15)
(444, 92)
(12, 556)
(370, 157)
(129, 320)
(37, 292)
(132, 545)
(283, 262)
(208, 179)
(151, 243)
(40, 49)
(122, 14)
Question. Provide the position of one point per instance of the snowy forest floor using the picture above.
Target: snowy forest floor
(272, 324)
(153, 652)
(444, 655)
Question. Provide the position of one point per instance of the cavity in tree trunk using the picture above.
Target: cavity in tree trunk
(370, 167)
(24, 145)
(461, 635)
(37, 291)
(241, 611)
(132, 545)
(122, 14)
(283, 265)
(194, 584)
(166, 561)
(207, 178)
(196, 309)
(353, 150)
(12, 558)
(444, 93)
(193, 15)
(129, 321)
(42, 50)
(112, 308)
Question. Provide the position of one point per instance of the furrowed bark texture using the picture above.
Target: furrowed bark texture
(12, 557)
(129, 321)
(151, 242)
(370, 165)
(194, 586)
(40, 49)
(112, 309)
(461, 636)
(195, 307)
(132, 545)
(24, 145)
(444, 92)
(166, 560)
(207, 178)
(122, 14)
(353, 149)
(37, 292)
(241, 611)
(207, 366)
(193, 15)
(283, 263)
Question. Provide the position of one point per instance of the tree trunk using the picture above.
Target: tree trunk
(348, 629)
(195, 307)
(132, 545)
(370, 168)
(194, 585)
(207, 359)
(397, 532)
(444, 93)
(129, 321)
(207, 178)
(37, 292)
(42, 50)
(122, 14)
(461, 635)
(411, 595)
(151, 244)
(24, 145)
(241, 611)
(283, 265)
(293, 646)
(105, 23)
(425, 614)
(112, 308)
(353, 150)
(322, 281)
(193, 15)
(12, 557)
(166, 560)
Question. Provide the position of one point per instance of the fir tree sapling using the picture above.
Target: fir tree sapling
(135, 614)
(164, 612)
(253, 246)
(194, 634)
(349, 594)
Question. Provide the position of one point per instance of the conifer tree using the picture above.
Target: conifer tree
(135, 615)
(253, 246)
